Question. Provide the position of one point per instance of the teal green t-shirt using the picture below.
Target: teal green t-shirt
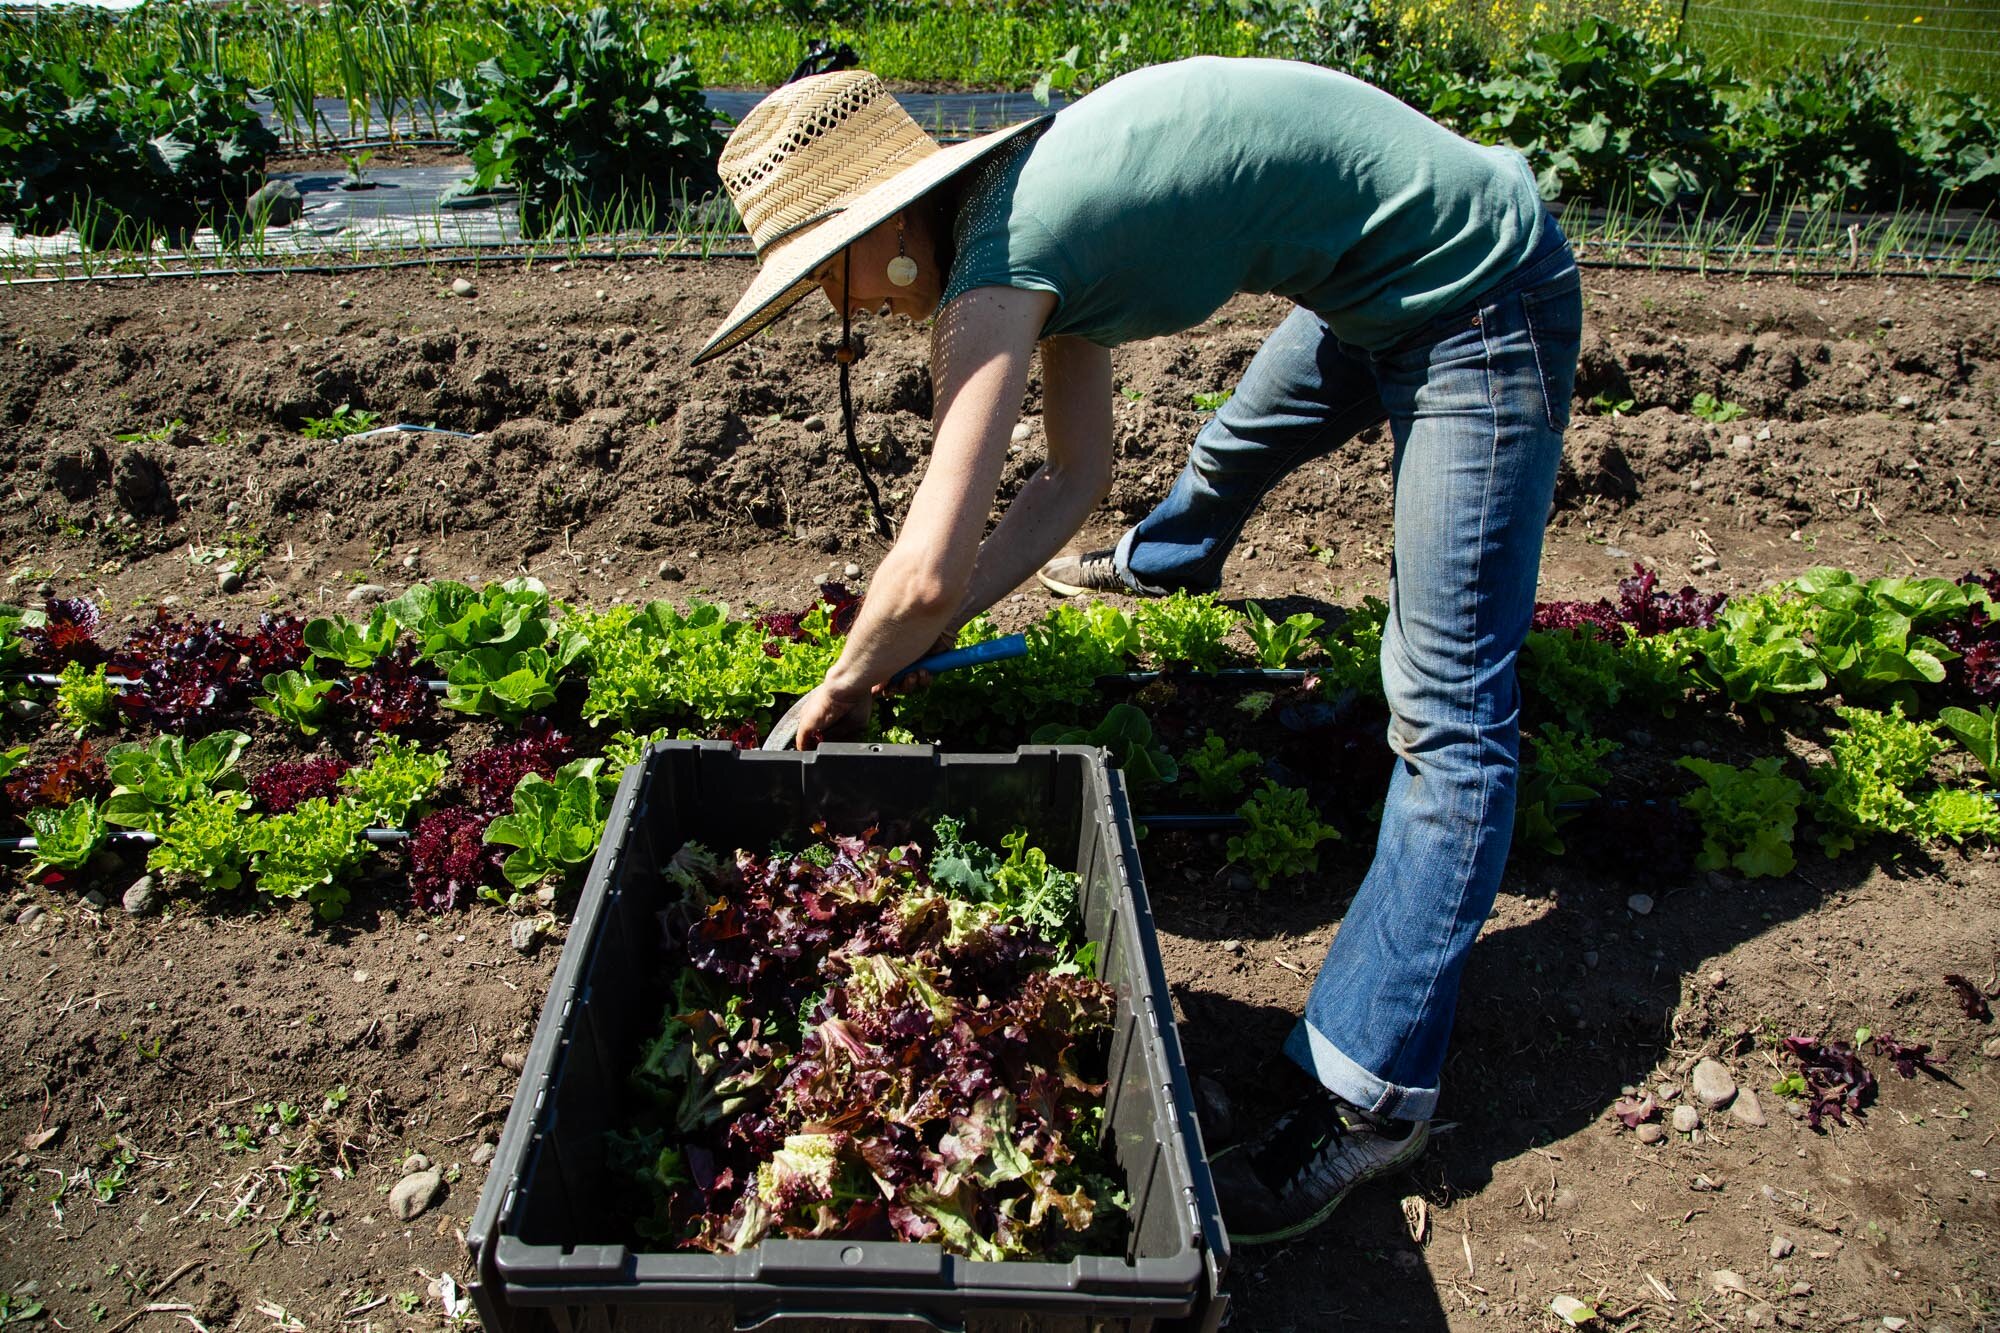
(1147, 204)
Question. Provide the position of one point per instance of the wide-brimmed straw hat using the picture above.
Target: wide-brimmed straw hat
(815, 166)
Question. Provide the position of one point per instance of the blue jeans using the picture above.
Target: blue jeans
(1477, 403)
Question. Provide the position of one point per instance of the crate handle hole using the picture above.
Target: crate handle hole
(851, 1255)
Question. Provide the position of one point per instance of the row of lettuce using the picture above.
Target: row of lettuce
(599, 124)
(1888, 684)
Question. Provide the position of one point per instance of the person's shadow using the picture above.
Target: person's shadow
(1556, 1016)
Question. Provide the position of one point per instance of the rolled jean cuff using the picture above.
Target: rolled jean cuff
(1312, 1052)
(1121, 560)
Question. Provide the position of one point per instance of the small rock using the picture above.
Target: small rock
(1760, 1315)
(1686, 1119)
(30, 914)
(813, 425)
(1991, 1050)
(603, 295)
(345, 303)
(229, 578)
(409, 562)
(96, 901)
(139, 896)
(1250, 553)
(276, 204)
(1705, 564)
(45, 589)
(1713, 1086)
(523, 936)
(1781, 1247)
(850, 570)
(1894, 1323)
(482, 1154)
(1231, 946)
(1904, 400)
(463, 287)
(513, 1060)
(1801, 1288)
(415, 1193)
(1650, 1133)
(1639, 904)
(367, 592)
(1747, 1110)
(1727, 1283)
(1023, 432)
(1669, 1091)
(416, 1161)
(671, 572)
(25, 709)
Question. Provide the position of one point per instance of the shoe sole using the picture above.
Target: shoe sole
(1297, 1229)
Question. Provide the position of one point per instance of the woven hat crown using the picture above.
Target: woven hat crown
(811, 147)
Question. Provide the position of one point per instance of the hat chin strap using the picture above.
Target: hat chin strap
(845, 355)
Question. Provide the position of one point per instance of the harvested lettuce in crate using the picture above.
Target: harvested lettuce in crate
(876, 1042)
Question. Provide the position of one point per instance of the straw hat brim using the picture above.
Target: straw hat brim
(785, 276)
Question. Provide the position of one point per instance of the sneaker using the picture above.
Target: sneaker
(1289, 1180)
(1093, 571)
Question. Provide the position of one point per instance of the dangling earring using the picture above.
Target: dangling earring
(902, 269)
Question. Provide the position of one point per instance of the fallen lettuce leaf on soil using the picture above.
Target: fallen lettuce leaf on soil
(1836, 1084)
(1970, 998)
(1907, 1056)
(874, 1042)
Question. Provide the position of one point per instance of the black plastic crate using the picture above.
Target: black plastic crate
(548, 1256)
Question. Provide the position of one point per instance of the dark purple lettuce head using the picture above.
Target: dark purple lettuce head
(280, 788)
(448, 856)
(68, 633)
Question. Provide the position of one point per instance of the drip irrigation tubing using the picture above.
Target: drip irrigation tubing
(377, 265)
(380, 837)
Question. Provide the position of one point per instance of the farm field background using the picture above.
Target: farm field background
(606, 469)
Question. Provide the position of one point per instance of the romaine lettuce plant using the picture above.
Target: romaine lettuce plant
(151, 781)
(451, 619)
(1126, 736)
(508, 685)
(352, 643)
(1281, 643)
(1978, 733)
(556, 823)
(296, 698)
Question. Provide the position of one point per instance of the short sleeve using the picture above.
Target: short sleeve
(998, 241)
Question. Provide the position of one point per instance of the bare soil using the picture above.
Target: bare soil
(604, 466)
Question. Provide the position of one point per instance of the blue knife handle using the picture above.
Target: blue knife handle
(993, 650)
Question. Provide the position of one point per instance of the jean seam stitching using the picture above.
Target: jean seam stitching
(1461, 876)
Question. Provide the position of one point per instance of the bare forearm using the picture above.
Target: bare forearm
(1045, 515)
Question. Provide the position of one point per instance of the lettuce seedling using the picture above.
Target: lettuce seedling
(1283, 837)
(1558, 768)
(206, 840)
(66, 837)
(85, 701)
(396, 782)
(1186, 628)
(1281, 643)
(450, 619)
(1215, 772)
(309, 853)
(508, 685)
(1747, 815)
